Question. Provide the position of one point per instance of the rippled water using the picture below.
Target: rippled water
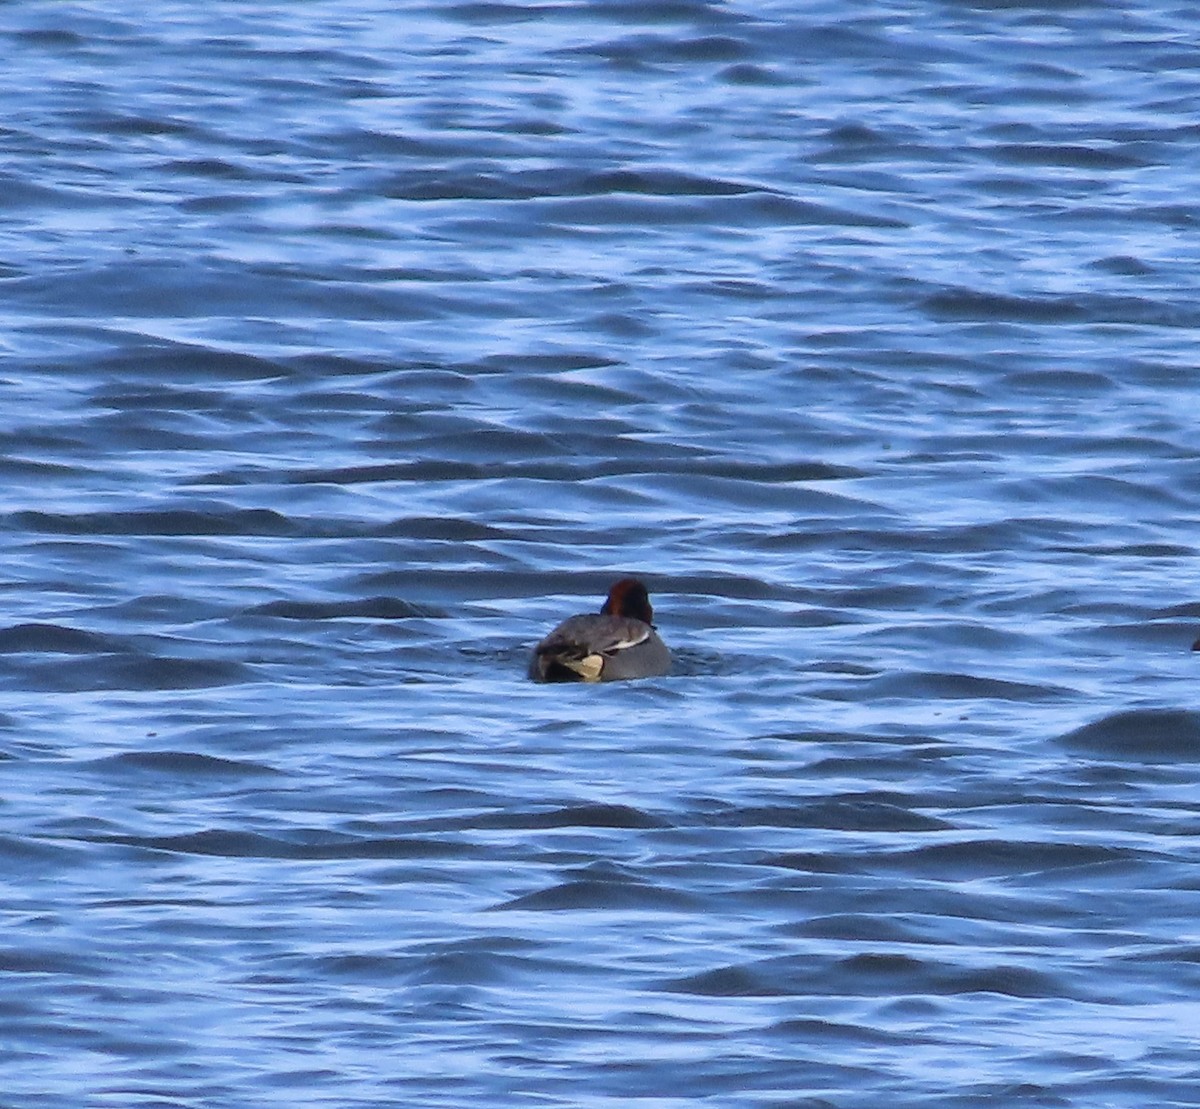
(350, 346)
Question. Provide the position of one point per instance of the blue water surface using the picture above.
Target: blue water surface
(349, 346)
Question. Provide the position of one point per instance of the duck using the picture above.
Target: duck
(617, 643)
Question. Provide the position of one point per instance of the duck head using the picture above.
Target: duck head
(628, 597)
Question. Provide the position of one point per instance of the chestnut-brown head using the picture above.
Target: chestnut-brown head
(629, 598)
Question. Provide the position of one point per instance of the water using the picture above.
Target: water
(348, 347)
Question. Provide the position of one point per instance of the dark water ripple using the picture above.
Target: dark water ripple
(349, 346)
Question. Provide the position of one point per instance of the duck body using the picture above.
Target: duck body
(617, 643)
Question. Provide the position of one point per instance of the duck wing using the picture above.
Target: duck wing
(579, 647)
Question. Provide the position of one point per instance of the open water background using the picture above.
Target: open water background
(349, 346)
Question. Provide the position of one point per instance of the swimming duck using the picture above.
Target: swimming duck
(618, 642)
